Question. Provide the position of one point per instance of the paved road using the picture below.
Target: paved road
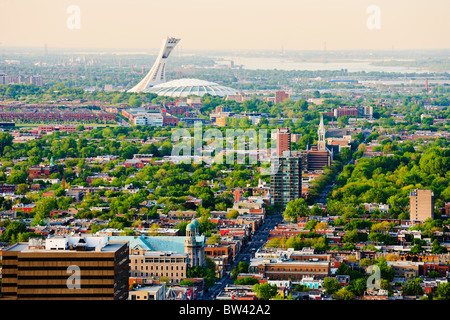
(257, 241)
(324, 195)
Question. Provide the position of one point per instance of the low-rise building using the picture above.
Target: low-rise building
(280, 269)
(155, 292)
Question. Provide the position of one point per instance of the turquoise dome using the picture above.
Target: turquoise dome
(190, 227)
(195, 223)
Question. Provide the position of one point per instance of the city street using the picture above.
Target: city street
(258, 240)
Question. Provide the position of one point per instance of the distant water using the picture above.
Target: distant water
(255, 63)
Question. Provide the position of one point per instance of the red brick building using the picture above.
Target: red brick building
(280, 96)
(170, 120)
(442, 269)
(346, 111)
(41, 171)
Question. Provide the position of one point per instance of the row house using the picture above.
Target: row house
(157, 264)
(8, 188)
(279, 269)
(442, 269)
(220, 252)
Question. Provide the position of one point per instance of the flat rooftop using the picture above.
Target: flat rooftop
(24, 247)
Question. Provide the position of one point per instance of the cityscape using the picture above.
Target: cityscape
(189, 175)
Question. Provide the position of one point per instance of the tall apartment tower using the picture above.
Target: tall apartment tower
(421, 205)
(286, 179)
(283, 141)
(157, 73)
(280, 96)
(192, 247)
(66, 268)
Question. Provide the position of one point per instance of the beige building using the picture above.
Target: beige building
(421, 205)
(221, 122)
(406, 269)
(149, 293)
(157, 264)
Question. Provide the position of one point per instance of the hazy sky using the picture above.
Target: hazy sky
(227, 24)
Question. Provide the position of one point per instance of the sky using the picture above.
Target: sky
(227, 24)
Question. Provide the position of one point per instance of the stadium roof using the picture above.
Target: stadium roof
(188, 87)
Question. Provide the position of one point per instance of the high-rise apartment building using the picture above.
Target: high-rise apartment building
(421, 205)
(280, 96)
(286, 179)
(283, 138)
(66, 268)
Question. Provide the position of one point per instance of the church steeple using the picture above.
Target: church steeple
(321, 144)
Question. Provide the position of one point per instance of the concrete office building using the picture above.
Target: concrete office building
(66, 268)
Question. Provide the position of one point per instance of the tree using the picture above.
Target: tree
(358, 286)
(22, 188)
(12, 230)
(213, 239)
(344, 294)
(182, 227)
(232, 214)
(134, 101)
(246, 281)
(350, 236)
(294, 209)
(242, 267)
(311, 224)
(202, 272)
(437, 248)
(42, 210)
(165, 279)
(316, 211)
(412, 287)
(301, 288)
(244, 122)
(186, 282)
(417, 249)
(362, 147)
(331, 285)
(443, 291)
(265, 291)
(11, 92)
(320, 226)
(433, 274)
(387, 272)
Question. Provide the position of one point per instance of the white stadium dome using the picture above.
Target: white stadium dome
(188, 87)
